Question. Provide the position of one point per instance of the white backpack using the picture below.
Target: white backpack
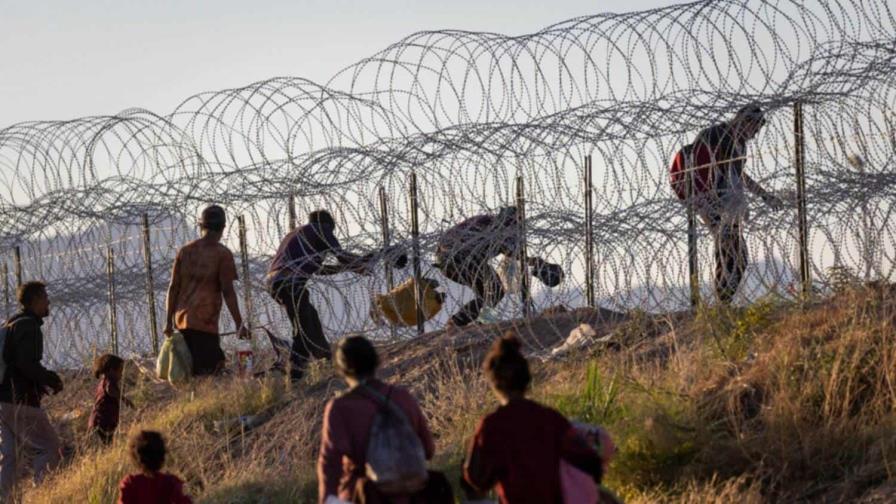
(396, 462)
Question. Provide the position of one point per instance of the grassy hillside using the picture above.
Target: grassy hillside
(775, 402)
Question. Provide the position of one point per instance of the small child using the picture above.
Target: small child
(150, 485)
(104, 417)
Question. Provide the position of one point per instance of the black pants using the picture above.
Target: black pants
(205, 348)
(308, 341)
(731, 259)
(476, 273)
(103, 436)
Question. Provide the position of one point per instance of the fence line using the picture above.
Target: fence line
(470, 119)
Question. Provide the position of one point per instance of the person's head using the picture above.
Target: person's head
(148, 451)
(108, 365)
(321, 218)
(506, 369)
(356, 359)
(213, 220)
(32, 296)
(508, 215)
(748, 121)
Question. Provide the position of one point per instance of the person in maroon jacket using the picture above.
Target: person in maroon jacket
(103, 421)
(346, 432)
(518, 447)
(150, 485)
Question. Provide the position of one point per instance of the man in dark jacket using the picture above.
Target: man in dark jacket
(300, 257)
(24, 383)
(463, 253)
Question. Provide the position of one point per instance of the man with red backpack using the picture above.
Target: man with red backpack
(718, 192)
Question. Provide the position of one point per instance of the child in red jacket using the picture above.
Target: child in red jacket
(108, 369)
(150, 485)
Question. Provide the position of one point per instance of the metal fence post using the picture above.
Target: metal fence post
(150, 286)
(800, 164)
(17, 256)
(693, 266)
(386, 233)
(113, 315)
(415, 253)
(525, 296)
(292, 212)
(5, 273)
(589, 234)
(244, 259)
(387, 239)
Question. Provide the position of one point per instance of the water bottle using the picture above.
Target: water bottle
(244, 358)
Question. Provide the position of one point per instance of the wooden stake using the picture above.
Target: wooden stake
(150, 287)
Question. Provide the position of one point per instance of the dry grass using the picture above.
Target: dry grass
(765, 404)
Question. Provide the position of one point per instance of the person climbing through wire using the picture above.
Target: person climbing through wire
(301, 256)
(464, 251)
(716, 159)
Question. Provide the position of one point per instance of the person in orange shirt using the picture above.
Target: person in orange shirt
(203, 275)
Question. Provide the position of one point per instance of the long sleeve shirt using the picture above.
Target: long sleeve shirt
(152, 489)
(346, 432)
(106, 405)
(302, 253)
(478, 238)
(26, 379)
(518, 448)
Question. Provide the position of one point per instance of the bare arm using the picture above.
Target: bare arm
(233, 306)
(171, 300)
(755, 188)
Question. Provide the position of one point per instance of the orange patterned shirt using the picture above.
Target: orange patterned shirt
(201, 269)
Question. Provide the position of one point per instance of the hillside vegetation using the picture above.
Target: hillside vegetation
(774, 402)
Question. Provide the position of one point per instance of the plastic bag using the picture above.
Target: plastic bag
(509, 274)
(578, 487)
(163, 361)
(175, 363)
(399, 306)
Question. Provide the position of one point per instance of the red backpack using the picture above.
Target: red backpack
(698, 157)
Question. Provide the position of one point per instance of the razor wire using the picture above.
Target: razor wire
(470, 113)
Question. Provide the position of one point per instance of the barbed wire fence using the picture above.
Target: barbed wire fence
(473, 115)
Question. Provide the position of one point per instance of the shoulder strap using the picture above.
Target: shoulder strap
(383, 400)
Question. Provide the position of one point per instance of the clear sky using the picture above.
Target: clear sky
(65, 59)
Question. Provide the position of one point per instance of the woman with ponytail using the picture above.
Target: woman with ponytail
(517, 448)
